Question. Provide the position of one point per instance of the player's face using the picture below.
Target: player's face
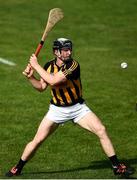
(66, 54)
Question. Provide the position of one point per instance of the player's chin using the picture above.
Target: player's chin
(67, 58)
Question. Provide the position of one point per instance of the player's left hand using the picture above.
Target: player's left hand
(33, 61)
(28, 72)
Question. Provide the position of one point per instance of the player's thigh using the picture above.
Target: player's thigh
(45, 128)
(91, 122)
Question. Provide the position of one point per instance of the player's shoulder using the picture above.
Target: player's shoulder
(47, 64)
(72, 63)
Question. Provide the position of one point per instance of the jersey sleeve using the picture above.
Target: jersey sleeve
(47, 65)
(71, 70)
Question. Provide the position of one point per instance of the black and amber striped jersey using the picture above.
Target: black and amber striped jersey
(69, 92)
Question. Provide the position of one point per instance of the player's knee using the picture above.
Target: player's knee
(37, 141)
(101, 132)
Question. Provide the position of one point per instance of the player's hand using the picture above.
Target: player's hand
(28, 72)
(33, 61)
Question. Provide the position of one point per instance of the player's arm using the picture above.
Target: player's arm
(49, 78)
(39, 85)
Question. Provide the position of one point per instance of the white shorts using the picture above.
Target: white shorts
(63, 114)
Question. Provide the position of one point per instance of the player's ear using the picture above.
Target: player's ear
(57, 52)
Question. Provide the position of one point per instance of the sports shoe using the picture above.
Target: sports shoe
(122, 169)
(13, 172)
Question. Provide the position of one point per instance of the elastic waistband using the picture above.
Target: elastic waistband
(81, 101)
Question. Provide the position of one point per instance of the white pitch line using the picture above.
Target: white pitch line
(5, 61)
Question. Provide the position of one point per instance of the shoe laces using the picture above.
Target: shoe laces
(121, 168)
(13, 170)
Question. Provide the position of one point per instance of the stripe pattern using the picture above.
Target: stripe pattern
(71, 69)
(70, 92)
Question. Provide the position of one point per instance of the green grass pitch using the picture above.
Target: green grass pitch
(104, 33)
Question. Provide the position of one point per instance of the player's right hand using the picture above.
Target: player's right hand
(28, 72)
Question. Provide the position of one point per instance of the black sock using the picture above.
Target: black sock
(20, 164)
(114, 160)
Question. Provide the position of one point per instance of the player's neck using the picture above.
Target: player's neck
(59, 62)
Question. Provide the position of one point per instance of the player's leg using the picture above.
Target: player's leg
(92, 123)
(46, 127)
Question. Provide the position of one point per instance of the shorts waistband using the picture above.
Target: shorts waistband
(81, 101)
